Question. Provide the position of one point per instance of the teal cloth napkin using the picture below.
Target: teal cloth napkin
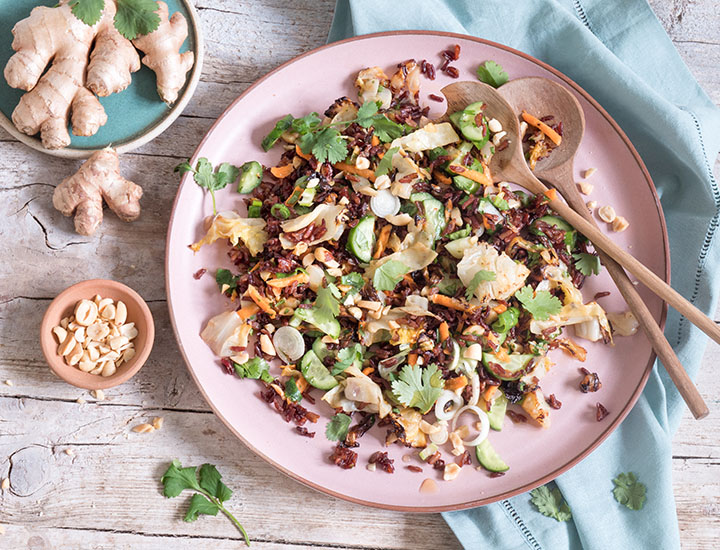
(618, 51)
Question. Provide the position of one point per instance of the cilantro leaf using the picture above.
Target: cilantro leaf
(418, 387)
(206, 178)
(325, 145)
(629, 491)
(306, 124)
(176, 479)
(385, 164)
(387, 130)
(210, 492)
(280, 126)
(480, 277)
(366, 113)
(292, 392)
(347, 357)
(88, 11)
(256, 368)
(354, 280)
(541, 304)
(492, 73)
(200, 505)
(337, 428)
(388, 275)
(449, 286)
(327, 297)
(550, 503)
(224, 277)
(136, 17)
(210, 481)
(587, 264)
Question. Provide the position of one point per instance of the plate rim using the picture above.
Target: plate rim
(151, 133)
(528, 486)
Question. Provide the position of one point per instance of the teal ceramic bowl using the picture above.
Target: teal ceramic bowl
(135, 116)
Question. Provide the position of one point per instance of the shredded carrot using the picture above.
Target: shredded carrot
(486, 225)
(301, 383)
(544, 128)
(294, 197)
(480, 177)
(444, 331)
(367, 370)
(442, 178)
(281, 172)
(247, 311)
(448, 302)
(375, 141)
(502, 355)
(260, 301)
(299, 153)
(412, 358)
(497, 309)
(551, 194)
(488, 393)
(456, 383)
(300, 278)
(350, 169)
(382, 241)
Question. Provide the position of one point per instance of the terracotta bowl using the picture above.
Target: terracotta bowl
(64, 304)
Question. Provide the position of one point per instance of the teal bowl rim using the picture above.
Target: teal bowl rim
(153, 131)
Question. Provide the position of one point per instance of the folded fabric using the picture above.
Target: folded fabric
(620, 54)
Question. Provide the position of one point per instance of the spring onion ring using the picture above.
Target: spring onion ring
(446, 397)
(484, 424)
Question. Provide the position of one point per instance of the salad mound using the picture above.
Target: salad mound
(379, 263)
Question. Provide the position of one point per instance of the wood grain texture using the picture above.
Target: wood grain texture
(107, 495)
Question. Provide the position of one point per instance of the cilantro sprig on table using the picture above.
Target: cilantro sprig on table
(540, 304)
(550, 503)
(629, 491)
(492, 73)
(207, 178)
(210, 492)
(586, 263)
(133, 17)
(418, 387)
(480, 277)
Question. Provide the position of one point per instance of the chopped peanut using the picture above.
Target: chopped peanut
(620, 224)
(585, 187)
(606, 214)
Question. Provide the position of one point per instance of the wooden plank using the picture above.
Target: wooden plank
(114, 475)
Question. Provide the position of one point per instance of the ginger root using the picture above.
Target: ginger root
(85, 60)
(161, 48)
(97, 179)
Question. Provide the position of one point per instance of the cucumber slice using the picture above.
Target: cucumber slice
(251, 174)
(361, 239)
(316, 373)
(513, 369)
(555, 221)
(489, 459)
(465, 122)
(496, 415)
(320, 348)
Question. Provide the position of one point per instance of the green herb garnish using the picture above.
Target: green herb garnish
(206, 178)
(385, 163)
(492, 73)
(480, 277)
(540, 304)
(338, 426)
(388, 275)
(418, 387)
(291, 391)
(353, 355)
(132, 18)
(586, 263)
(256, 368)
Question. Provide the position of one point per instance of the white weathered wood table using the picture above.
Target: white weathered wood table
(79, 477)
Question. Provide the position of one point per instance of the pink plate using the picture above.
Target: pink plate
(312, 82)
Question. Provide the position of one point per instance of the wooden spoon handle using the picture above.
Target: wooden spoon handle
(664, 351)
(644, 275)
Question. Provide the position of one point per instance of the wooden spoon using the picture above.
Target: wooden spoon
(541, 96)
(510, 165)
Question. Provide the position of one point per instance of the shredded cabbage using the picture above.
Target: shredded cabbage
(509, 274)
(330, 213)
(225, 331)
(229, 225)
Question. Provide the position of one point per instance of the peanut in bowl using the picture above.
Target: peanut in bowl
(136, 339)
